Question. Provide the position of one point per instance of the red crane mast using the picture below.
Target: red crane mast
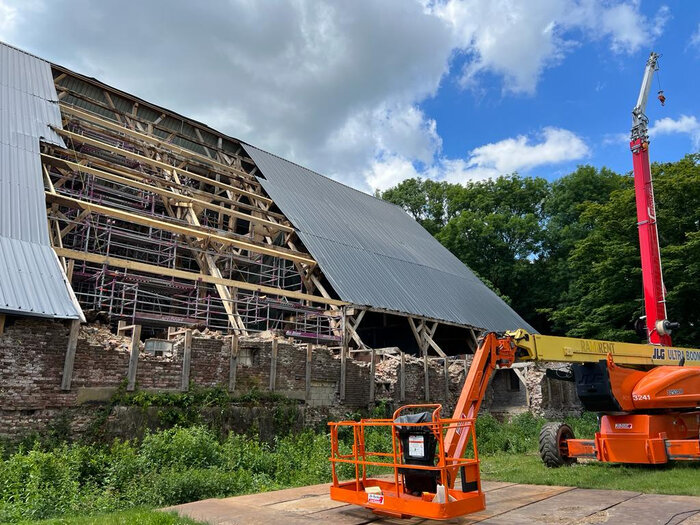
(658, 328)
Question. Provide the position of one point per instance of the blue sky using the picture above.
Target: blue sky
(591, 92)
(371, 92)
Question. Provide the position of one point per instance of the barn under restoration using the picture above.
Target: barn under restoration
(158, 221)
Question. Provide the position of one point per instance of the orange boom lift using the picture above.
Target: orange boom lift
(648, 397)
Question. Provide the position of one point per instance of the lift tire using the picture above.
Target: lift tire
(553, 448)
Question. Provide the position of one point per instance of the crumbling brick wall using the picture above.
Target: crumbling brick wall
(32, 356)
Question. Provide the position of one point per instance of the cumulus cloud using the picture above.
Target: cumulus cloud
(518, 40)
(686, 125)
(387, 172)
(515, 40)
(622, 23)
(516, 154)
(336, 86)
(521, 153)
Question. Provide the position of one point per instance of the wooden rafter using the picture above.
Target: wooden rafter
(352, 324)
(86, 159)
(208, 264)
(82, 139)
(191, 276)
(208, 161)
(177, 228)
(424, 336)
(180, 197)
(151, 125)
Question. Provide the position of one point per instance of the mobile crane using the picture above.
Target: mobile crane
(648, 395)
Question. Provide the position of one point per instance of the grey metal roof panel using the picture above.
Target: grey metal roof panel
(31, 279)
(374, 254)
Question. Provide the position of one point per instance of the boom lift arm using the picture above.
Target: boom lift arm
(649, 407)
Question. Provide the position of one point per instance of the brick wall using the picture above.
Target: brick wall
(32, 356)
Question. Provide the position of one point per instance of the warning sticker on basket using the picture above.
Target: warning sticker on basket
(375, 498)
(416, 446)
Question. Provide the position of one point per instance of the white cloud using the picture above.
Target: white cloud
(385, 173)
(332, 85)
(616, 139)
(522, 153)
(519, 40)
(686, 125)
(518, 154)
(8, 19)
(513, 39)
(695, 38)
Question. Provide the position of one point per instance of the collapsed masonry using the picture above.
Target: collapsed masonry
(34, 391)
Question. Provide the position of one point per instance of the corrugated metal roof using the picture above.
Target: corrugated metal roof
(31, 279)
(374, 254)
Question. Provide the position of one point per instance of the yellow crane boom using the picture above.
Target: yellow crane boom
(535, 347)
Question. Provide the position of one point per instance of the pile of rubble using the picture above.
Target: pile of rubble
(100, 335)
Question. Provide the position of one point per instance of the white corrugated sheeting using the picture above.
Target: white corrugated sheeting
(374, 254)
(31, 279)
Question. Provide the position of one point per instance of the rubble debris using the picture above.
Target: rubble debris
(100, 335)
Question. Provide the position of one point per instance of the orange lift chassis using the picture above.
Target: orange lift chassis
(648, 396)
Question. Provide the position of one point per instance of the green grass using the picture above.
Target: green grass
(129, 517)
(678, 478)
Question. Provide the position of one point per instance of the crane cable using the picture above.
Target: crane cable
(660, 95)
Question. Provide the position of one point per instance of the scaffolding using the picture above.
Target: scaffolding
(162, 224)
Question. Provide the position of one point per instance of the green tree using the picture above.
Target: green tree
(427, 201)
(570, 196)
(677, 193)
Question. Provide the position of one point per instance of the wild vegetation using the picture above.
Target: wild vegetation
(565, 254)
(64, 480)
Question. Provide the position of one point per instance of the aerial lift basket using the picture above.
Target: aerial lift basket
(423, 478)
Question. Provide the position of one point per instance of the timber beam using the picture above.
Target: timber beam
(82, 139)
(282, 253)
(352, 324)
(424, 336)
(155, 142)
(157, 178)
(179, 197)
(191, 276)
(144, 123)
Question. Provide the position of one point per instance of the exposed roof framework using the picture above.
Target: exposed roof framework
(162, 221)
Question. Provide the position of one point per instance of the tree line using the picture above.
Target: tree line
(565, 254)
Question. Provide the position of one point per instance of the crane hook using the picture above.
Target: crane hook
(662, 98)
